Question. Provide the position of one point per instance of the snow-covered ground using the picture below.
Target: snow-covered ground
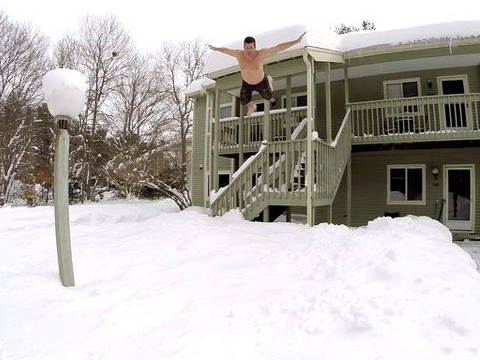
(472, 248)
(156, 283)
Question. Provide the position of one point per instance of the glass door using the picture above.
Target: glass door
(455, 110)
(459, 205)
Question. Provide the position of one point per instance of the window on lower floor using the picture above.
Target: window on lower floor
(406, 184)
(223, 180)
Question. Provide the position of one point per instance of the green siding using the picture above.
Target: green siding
(371, 88)
(369, 182)
(198, 152)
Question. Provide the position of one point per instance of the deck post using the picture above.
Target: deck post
(241, 138)
(328, 102)
(349, 191)
(346, 86)
(216, 133)
(267, 131)
(288, 113)
(207, 175)
(309, 170)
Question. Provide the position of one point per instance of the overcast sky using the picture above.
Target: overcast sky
(220, 22)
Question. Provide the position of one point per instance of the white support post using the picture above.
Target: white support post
(241, 138)
(267, 131)
(349, 191)
(328, 102)
(216, 133)
(310, 117)
(288, 113)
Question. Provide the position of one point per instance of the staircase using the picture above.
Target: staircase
(275, 176)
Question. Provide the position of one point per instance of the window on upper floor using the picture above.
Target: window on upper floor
(227, 109)
(297, 99)
(406, 184)
(398, 89)
(402, 88)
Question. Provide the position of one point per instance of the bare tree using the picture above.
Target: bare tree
(180, 65)
(136, 121)
(66, 53)
(23, 61)
(105, 50)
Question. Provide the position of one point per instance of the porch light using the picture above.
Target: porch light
(65, 95)
(435, 172)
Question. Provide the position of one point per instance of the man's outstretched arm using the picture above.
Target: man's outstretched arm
(283, 46)
(224, 50)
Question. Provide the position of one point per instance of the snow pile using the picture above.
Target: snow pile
(156, 283)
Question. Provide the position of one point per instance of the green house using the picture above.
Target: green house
(365, 124)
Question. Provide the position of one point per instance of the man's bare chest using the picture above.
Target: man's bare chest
(251, 62)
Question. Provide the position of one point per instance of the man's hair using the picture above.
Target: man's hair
(249, 40)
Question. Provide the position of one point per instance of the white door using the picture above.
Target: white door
(459, 197)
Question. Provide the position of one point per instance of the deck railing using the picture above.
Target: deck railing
(252, 129)
(275, 175)
(441, 117)
(272, 172)
(330, 161)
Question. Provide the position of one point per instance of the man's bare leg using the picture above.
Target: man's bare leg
(270, 82)
(251, 107)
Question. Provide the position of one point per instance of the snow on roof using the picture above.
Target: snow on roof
(328, 40)
(443, 31)
(198, 85)
(321, 39)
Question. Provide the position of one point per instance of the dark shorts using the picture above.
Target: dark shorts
(263, 88)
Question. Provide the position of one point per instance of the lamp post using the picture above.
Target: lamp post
(65, 94)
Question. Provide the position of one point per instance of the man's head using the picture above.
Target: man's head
(249, 43)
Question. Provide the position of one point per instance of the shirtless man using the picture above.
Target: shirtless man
(251, 67)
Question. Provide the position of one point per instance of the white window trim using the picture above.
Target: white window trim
(294, 95)
(401, 81)
(453, 77)
(424, 183)
(399, 111)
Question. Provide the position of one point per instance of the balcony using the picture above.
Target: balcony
(427, 118)
(416, 119)
(250, 129)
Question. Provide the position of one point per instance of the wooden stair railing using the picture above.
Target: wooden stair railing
(275, 175)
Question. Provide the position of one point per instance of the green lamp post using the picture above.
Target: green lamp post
(65, 94)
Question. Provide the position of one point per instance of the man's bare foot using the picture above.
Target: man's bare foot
(270, 82)
(251, 107)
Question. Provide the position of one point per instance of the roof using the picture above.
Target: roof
(356, 40)
(441, 34)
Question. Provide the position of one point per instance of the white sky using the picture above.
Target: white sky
(220, 22)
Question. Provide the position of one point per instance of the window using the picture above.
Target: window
(402, 88)
(223, 180)
(227, 109)
(406, 184)
(298, 99)
(398, 89)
